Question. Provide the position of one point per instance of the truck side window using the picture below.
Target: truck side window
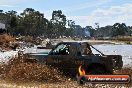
(62, 49)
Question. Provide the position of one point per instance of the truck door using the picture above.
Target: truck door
(59, 56)
(64, 56)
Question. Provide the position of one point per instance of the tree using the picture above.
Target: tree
(59, 22)
(91, 30)
(1, 11)
(13, 25)
(33, 22)
(2, 17)
(11, 21)
(119, 29)
(59, 18)
(96, 25)
(71, 28)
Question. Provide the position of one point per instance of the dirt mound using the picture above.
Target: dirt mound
(5, 38)
(21, 72)
(126, 71)
(6, 41)
(17, 70)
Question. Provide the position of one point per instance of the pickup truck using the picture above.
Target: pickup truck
(68, 56)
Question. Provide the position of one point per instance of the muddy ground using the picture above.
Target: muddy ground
(18, 74)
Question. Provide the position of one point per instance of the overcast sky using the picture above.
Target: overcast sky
(83, 12)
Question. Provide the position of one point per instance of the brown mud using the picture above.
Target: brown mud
(20, 74)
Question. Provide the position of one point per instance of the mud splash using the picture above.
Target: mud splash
(19, 71)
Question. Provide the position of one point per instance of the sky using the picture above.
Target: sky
(83, 12)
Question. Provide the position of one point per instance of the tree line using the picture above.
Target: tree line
(118, 29)
(33, 23)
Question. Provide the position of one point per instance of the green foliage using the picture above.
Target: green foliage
(91, 30)
(58, 22)
(32, 22)
(13, 23)
(119, 29)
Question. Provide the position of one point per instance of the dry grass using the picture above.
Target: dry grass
(126, 39)
(27, 39)
(5, 41)
(31, 39)
(5, 38)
